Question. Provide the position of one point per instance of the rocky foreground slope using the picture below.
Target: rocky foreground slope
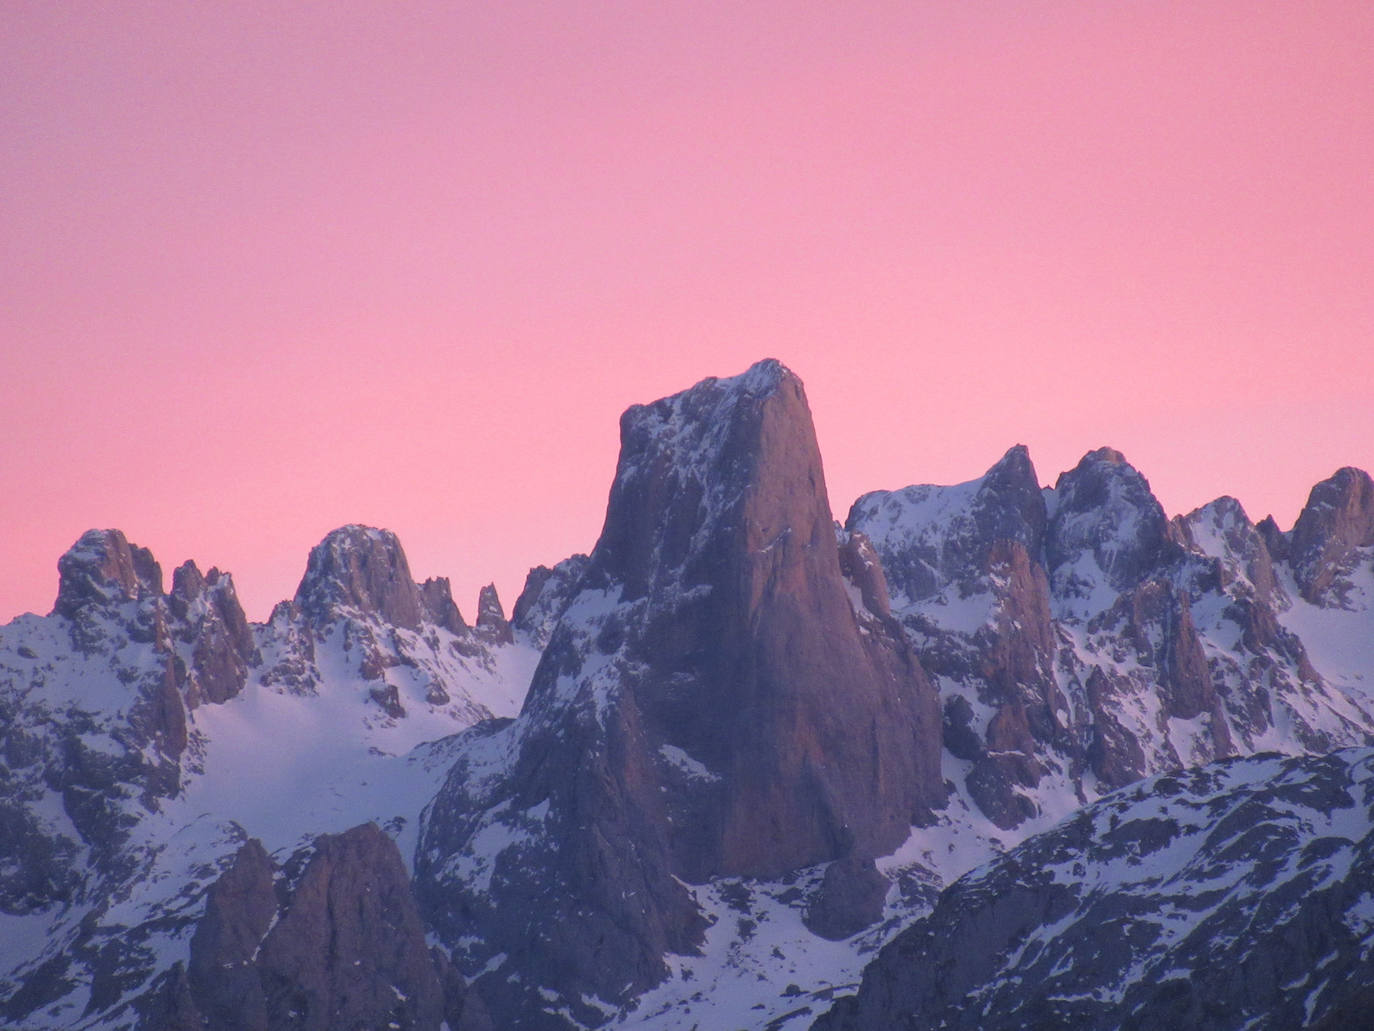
(705, 771)
(1234, 895)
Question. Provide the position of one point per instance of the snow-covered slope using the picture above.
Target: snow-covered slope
(147, 736)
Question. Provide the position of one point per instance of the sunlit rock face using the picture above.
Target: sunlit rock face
(713, 701)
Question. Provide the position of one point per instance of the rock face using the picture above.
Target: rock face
(437, 595)
(1237, 895)
(213, 624)
(546, 596)
(1080, 640)
(102, 567)
(711, 702)
(333, 941)
(362, 569)
(1337, 521)
(491, 617)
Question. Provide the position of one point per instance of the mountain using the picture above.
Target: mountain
(1081, 640)
(150, 736)
(1231, 895)
(708, 771)
(711, 703)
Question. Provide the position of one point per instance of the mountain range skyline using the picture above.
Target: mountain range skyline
(265, 273)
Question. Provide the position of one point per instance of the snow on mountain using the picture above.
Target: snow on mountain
(1233, 895)
(1081, 640)
(147, 736)
(755, 746)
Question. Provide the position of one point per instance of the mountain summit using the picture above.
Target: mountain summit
(712, 701)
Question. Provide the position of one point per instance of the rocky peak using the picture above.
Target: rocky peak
(719, 517)
(103, 567)
(929, 536)
(437, 595)
(208, 616)
(1337, 519)
(708, 702)
(364, 569)
(1010, 504)
(546, 596)
(1105, 514)
(706, 449)
(491, 616)
(215, 590)
(1222, 530)
(188, 584)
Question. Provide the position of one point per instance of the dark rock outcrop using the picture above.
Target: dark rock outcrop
(440, 608)
(210, 619)
(239, 909)
(491, 616)
(332, 941)
(850, 898)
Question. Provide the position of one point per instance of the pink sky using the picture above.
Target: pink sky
(269, 268)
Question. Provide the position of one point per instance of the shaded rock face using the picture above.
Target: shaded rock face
(1104, 512)
(440, 608)
(491, 616)
(364, 569)
(708, 705)
(1337, 520)
(1021, 942)
(211, 620)
(546, 596)
(333, 941)
(850, 898)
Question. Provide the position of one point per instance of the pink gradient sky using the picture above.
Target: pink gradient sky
(269, 268)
